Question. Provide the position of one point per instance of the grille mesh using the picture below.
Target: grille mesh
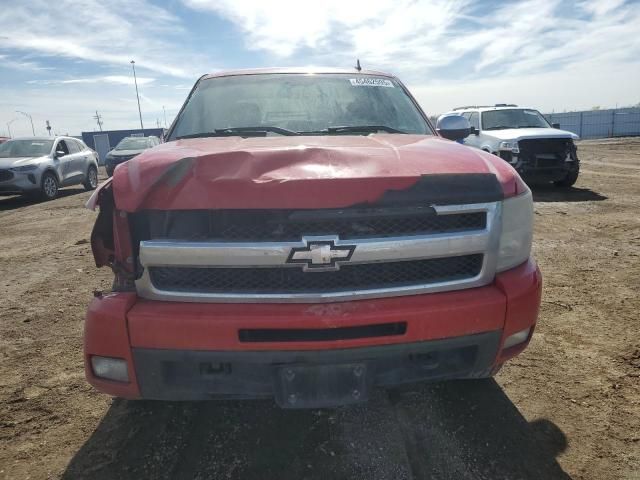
(285, 280)
(291, 225)
(558, 146)
(5, 175)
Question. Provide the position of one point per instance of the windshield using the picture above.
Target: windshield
(133, 143)
(25, 148)
(299, 103)
(513, 118)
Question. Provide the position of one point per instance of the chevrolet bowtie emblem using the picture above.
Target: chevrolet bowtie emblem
(321, 255)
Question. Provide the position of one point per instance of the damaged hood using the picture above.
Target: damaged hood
(294, 171)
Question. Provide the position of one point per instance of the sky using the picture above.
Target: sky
(61, 61)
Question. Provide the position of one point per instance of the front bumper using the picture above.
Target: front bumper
(110, 163)
(532, 171)
(21, 182)
(193, 351)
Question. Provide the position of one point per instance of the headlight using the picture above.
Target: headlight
(512, 146)
(517, 231)
(24, 168)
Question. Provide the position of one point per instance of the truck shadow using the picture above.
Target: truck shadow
(462, 430)
(19, 201)
(551, 193)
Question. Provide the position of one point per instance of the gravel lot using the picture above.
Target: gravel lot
(569, 407)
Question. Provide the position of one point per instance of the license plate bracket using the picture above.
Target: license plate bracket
(318, 386)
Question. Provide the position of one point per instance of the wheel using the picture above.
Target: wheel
(570, 179)
(49, 188)
(92, 178)
(109, 171)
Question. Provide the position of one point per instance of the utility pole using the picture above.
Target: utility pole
(165, 116)
(135, 80)
(98, 118)
(48, 127)
(33, 130)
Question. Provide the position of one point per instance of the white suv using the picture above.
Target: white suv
(523, 137)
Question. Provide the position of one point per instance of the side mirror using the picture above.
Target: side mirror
(555, 125)
(60, 154)
(474, 131)
(453, 127)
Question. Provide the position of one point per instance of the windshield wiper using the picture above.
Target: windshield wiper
(260, 131)
(358, 128)
(499, 127)
(530, 126)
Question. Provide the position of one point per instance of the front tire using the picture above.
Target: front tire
(91, 183)
(570, 179)
(49, 186)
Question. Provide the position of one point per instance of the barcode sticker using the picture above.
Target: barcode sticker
(371, 82)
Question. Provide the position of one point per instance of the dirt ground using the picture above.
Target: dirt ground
(569, 407)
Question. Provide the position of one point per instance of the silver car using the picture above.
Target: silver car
(42, 165)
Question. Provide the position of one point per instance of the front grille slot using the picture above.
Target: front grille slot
(322, 334)
(292, 225)
(547, 145)
(5, 175)
(292, 280)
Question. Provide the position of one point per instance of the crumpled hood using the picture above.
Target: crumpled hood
(525, 133)
(18, 161)
(292, 171)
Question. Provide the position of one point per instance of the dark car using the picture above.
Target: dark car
(128, 148)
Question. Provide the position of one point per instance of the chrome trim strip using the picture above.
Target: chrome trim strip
(243, 255)
(270, 254)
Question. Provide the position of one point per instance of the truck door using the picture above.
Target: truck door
(62, 161)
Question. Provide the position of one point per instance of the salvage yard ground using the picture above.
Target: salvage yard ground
(569, 407)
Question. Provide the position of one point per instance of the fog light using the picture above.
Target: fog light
(516, 338)
(110, 368)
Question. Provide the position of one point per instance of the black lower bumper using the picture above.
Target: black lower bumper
(310, 379)
(542, 175)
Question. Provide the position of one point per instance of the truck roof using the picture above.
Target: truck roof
(295, 70)
(484, 108)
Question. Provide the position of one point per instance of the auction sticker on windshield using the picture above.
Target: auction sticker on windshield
(371, 82)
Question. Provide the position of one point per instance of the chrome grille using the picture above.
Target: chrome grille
(5, 175)
(459, 251)
(291, 225)
(274, 280)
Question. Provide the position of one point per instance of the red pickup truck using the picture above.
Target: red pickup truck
(308, 235)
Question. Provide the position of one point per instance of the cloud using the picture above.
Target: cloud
(375, 29)
(551, 54)
(96, 31)
(116, 79)
(427, 38)
(108, 79)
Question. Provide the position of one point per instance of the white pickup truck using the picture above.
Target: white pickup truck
(523, 138)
